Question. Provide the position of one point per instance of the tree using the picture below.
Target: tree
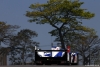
(87, 46)
(23, 46)
(60, 14)
(6, 31)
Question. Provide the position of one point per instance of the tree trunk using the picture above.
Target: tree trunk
(22, 60)
(61, 40)
(0, 43)
(23, 56)
(83, 60)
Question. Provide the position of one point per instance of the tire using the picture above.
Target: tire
(47, 63)
(74, 64)
(38, 64)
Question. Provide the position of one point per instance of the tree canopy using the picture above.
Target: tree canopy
(63, 15)
(6, 31)
(23, 46)
(18, 43)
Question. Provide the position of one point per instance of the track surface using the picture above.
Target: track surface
(47, 66)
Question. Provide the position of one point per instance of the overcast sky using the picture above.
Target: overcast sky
(13, 12)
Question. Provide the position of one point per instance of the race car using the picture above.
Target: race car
(56, 56)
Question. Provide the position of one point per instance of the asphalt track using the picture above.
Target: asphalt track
(48, 66)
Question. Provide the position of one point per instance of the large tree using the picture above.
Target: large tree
(60, 14)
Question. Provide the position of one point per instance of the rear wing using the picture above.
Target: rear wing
(56, 48)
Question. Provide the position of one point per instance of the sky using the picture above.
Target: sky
(13, 12)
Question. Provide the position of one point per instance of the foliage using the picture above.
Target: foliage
(20, 45)
(63, 15)
(23, 45)
(87, 45)
(6, 31)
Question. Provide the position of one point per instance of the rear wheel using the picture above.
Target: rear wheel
(47, 63)
(74, 64)
(39, 63)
